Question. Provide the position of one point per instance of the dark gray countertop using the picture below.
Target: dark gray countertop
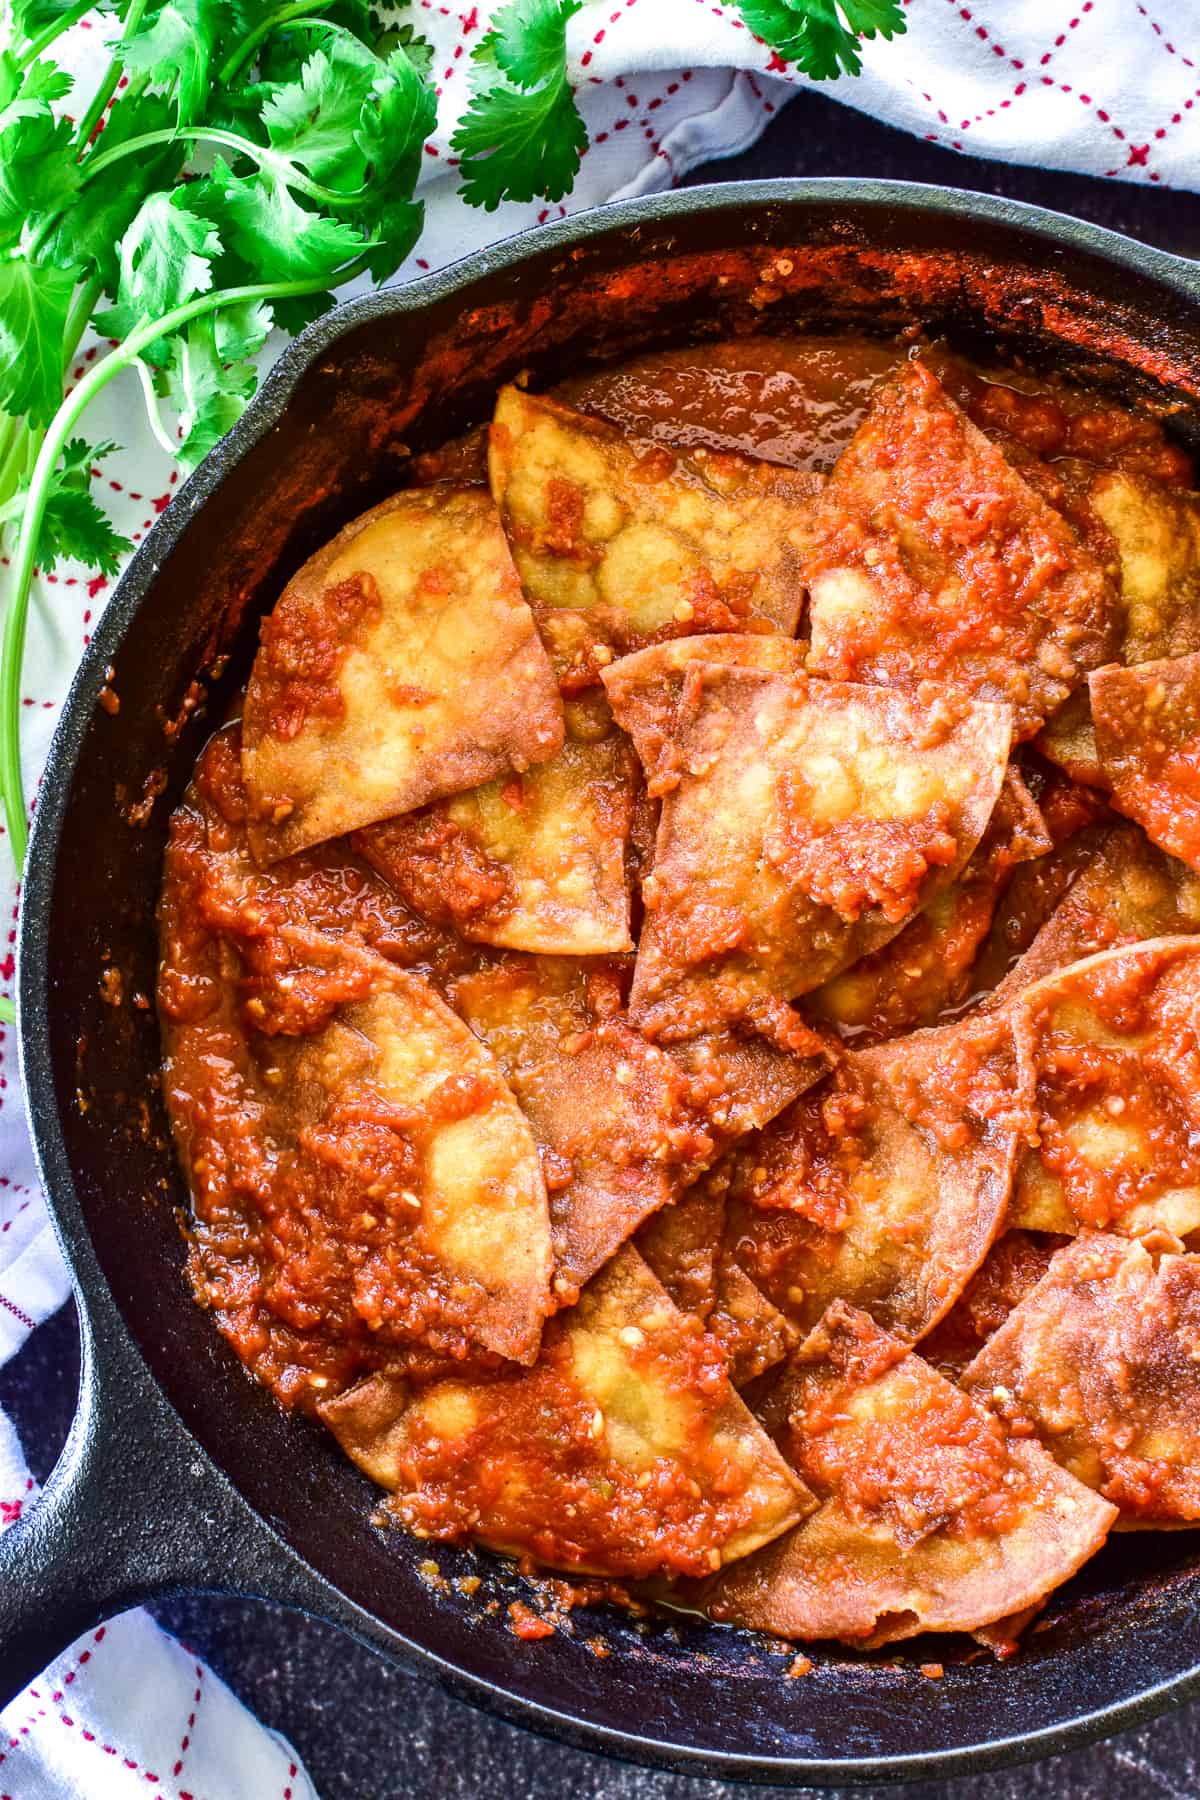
(368, 1732)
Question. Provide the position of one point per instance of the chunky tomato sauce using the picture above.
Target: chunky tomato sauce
(574, 1143)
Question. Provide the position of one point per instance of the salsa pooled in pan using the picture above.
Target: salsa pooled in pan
(681, 988)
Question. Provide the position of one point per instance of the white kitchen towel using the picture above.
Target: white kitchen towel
(1102, 87)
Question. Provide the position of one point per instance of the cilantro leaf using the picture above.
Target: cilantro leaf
(92, 230)
(527, 41)
(43, 81)
(821, 36)
(208, 380)
(313, 120)
(175, 48)
(522, 134)
(38, 171)
(393, 126)
(34, 301)
(275, 237)
(74, 527)
(165, 258)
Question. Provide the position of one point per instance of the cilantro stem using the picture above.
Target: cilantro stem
(297, 10)
(152, 413)
(8, 1012)
(283, 166)
(112, 76)
(12, 645)
(51, 32)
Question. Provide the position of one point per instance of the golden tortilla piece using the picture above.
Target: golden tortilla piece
(754, 1335)
(626, 1124)
(645, 689)
(394, 1109)
(927, 969)
(811, 820)
(1100, 1359)
(1115, 1044)
(681, 1243)
(623, 1452)
(621, 541)
(400, 664)
(886, 1185)
(931, 1517)
(683, 1246)
(530, 862)
(1012, 1267)
(1155, 532)
(930, 558)
(1147, 724)
(1112, 886)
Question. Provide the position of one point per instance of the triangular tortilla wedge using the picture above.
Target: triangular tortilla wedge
(1012, 1267)
(627, 1125)
(645, 688)
(1112, 886)
(886, 1185)
(684, 1248)
(529, 862)
(623, 541)
(623, 1452)
(1116, 1056)
(1155, 533)
(754, 1335)
(930, 559)
(931, 1518)
(681, 1244)
(399, 1124)
(400, 664)
(1100, 1359)
(811, 820)
(927, 969)
(1147, 724)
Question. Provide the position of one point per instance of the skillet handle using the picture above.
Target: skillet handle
(127, 1515)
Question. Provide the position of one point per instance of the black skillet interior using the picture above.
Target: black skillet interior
(397, 374)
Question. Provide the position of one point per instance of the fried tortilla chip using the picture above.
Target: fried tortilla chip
(529, 862)
(626, 1124)
(886, 1185)
(681, 1243)
(930, 558)
(400, 664)
(1100, 1359)
(926, 970)
(394, 1110)
(931, 1517)
(683, 1247)
(624, 1451)
(621, 541)
(1116, 1053)
(1147, 724)
(811, 820)
(644, 689)
(1013, 1266)
(1112, 887)
(1155, 533)
(754, 1335)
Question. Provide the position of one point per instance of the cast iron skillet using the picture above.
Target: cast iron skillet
(179, 1473)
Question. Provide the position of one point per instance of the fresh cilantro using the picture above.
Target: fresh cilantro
(166, 257)
(522, 134)
(174, 49)
(35, 299)
(74, 528)
(209, 379)
(37, 164)
(314, 119)
(260, 220)
(821, 36)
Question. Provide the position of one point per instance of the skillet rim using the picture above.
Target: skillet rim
(98, 1305)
